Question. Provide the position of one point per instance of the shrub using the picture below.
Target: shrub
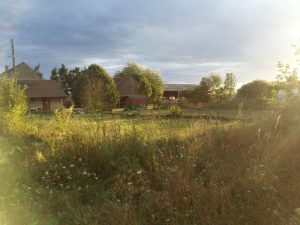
(175, 111)
(13, 102)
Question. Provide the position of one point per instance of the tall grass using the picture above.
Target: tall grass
(69, 170)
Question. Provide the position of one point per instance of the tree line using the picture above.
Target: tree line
(258, 94)
(94, 89)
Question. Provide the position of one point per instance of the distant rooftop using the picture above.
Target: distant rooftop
(178, 87)
(23, 72)
(42, 88)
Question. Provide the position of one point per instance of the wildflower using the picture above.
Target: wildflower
(72, 165)
(79, 188)
(139, 172)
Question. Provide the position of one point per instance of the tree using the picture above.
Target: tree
(95, 89)
(93, 96)
(54, 74)
(150, 81)
(208, 90)
(229, 85)
(287, 79)
(65, 77)
(156, 84)
(255, 90)
(256, 94)
(38, 72)
(213, 82)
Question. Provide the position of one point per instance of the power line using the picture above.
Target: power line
(5, 45)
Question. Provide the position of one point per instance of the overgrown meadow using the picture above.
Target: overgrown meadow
(69, 169)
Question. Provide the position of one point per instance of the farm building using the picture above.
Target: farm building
(43, 95)
(128, 88)
(174, 90)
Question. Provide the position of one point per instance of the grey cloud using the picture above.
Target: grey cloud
(185, 39)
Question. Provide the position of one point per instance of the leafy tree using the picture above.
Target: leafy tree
(255, 90)
(38, 72)
(229, 85)
(287, 79)
(95, 89)
(65, 77)
(207, 91)
(157, 85)
(213, 82)
(257, 94)
(211, 90)
(54, 74)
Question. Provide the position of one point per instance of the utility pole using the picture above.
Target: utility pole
(13, 55)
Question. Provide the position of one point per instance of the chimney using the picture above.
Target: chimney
(6, 68)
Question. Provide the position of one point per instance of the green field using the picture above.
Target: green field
(145, 167)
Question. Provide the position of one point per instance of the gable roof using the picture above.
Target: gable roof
(42, 88)
(178, 87)
(23, 72)
(127, 85)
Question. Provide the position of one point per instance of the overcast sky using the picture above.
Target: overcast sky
(184, 39)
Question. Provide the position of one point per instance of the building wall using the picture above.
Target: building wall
(56, 103)
(130, 101)
(169, 94)
(37, 103)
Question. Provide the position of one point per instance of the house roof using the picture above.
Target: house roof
(127, 85)
(43, 88)
(178, 87)
(23, 72)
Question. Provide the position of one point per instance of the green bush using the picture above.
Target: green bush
(175, 111)
(13, 102)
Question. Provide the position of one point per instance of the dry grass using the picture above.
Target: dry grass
(161, 171)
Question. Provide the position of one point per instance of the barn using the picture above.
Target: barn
(128, 88)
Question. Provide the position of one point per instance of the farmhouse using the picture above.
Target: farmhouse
(43, 95)
(128, 88)
(174, 90)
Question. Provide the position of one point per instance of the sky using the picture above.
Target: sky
(184, 39)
